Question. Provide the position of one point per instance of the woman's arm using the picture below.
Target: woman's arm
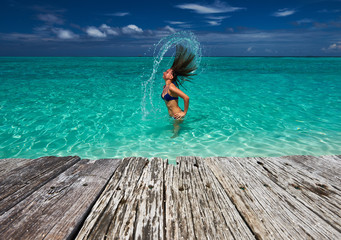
(181, 94)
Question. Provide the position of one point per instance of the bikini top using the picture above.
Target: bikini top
(167, 97)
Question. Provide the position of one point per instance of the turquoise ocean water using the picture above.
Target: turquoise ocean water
(99, 108)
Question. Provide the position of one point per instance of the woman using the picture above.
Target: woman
(181, 70)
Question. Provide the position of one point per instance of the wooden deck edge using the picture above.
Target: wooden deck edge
(85, 215)
(283, 156)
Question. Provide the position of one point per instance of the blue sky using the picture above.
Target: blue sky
(131, 27)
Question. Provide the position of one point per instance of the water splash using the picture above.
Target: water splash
(185, 38)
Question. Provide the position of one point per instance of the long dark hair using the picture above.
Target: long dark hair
(183, 65)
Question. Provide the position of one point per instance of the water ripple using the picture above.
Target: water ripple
(91, 107)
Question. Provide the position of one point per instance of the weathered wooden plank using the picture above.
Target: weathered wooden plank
(174, 224)
(328, 167)
(150, 220)
(179, 221)
(57, 209)
(225, 198)
(311, 189)
(131, 205)
(20, 182)
(270, 211)
(197, 207)
(226, 218)
(8, 164)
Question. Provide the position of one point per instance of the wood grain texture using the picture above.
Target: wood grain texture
(131, 205)
(293, 197)
(20, 182)
(271, 211)
(154, 200)
(197, 207)
(328, 167)
(57, 209)
(8, 164)
(310, 188)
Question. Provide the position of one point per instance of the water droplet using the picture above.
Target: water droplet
(185, 38)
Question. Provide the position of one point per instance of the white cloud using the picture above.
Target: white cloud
(109, 30)
(119, 14)
(283, 12)
(333, 47)
(175, 22)
(180, 24)
(94, 32)
(131, 29)
(214, 23)
(50, 18)
(217, 7)
(303, 21)
(218, 17)
(105, 30)
(64, 34)
(170, 29)
(249, 49)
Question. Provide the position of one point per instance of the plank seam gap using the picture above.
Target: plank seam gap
(190, 203)
(98, 219)
(165, 166)
(111, 197)
(135, 221)
(214, 199)
(77, 229)
(240, 214)
(137, 203)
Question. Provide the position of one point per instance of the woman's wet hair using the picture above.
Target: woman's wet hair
(183, 65)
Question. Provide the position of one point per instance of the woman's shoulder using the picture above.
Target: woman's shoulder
(174, 89)
(173, 85)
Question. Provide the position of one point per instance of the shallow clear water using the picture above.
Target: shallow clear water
(92, 107)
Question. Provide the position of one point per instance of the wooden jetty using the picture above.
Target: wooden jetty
(292, 197)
